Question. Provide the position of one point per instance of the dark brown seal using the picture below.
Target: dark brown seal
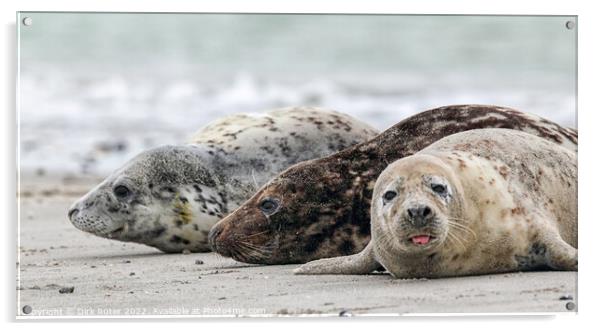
(321, 208)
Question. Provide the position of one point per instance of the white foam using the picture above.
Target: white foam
(69, 122)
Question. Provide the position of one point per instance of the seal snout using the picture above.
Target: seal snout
(213, 234)
(74, 211)
(216, 242)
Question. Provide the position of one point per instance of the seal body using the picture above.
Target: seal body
(477, 202)
(320, 208)
(169, 197)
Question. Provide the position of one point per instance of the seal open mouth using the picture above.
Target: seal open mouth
(116, 232)
(421, 239)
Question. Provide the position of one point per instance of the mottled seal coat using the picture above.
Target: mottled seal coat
(320, 208)
(169, 197)
(477, 202)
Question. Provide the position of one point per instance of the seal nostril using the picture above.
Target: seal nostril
(411, 212)
(213, 234)
(72, 212)
(426, 211)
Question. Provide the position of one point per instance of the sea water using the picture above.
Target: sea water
(96, 89)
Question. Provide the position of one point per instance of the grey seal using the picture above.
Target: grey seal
(169, 197)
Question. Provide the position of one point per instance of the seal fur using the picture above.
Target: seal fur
(322, 206)
(478, 202)
(170, 196)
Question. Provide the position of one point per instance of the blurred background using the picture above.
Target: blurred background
(96, 89)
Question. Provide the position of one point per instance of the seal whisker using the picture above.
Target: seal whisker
(236, 254)
(251, 253)
(464, 228)
(254, 248)
(248, 254)
(256, 234)
(441, 243)
(462, 232)
(386, 241)
(254, 179)
(241, 239)
(456, 239)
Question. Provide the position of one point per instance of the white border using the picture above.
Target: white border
(589, 25)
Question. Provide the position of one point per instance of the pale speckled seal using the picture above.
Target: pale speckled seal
(320, 208)
(169, 197)
(477, 202)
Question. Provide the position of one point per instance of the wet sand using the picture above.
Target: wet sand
(114, 278)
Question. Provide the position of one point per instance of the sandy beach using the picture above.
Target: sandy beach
(103, 277)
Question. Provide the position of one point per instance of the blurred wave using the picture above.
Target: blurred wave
(96, 89)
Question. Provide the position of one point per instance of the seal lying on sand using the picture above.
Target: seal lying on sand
(476, 202)
(169, 197)
(320, 208)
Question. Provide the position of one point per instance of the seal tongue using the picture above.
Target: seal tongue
(421, 240)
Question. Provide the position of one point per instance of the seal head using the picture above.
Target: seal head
(265, 233)
(154, 199)
(414, 208)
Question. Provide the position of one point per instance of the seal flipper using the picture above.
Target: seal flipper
(361, 263)
(562, 256)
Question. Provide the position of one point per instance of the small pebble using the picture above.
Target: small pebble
(222, 298)
(67, 289)
(132, 273)
(198, 262)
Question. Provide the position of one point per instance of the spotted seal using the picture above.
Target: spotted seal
(170, 196)
(320, 208)
(477, 202)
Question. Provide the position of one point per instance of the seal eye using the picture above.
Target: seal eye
(389, 195)
(438, 188)
(268, 206)
(121, 191)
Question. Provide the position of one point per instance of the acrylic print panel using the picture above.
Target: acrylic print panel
(130, 151)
